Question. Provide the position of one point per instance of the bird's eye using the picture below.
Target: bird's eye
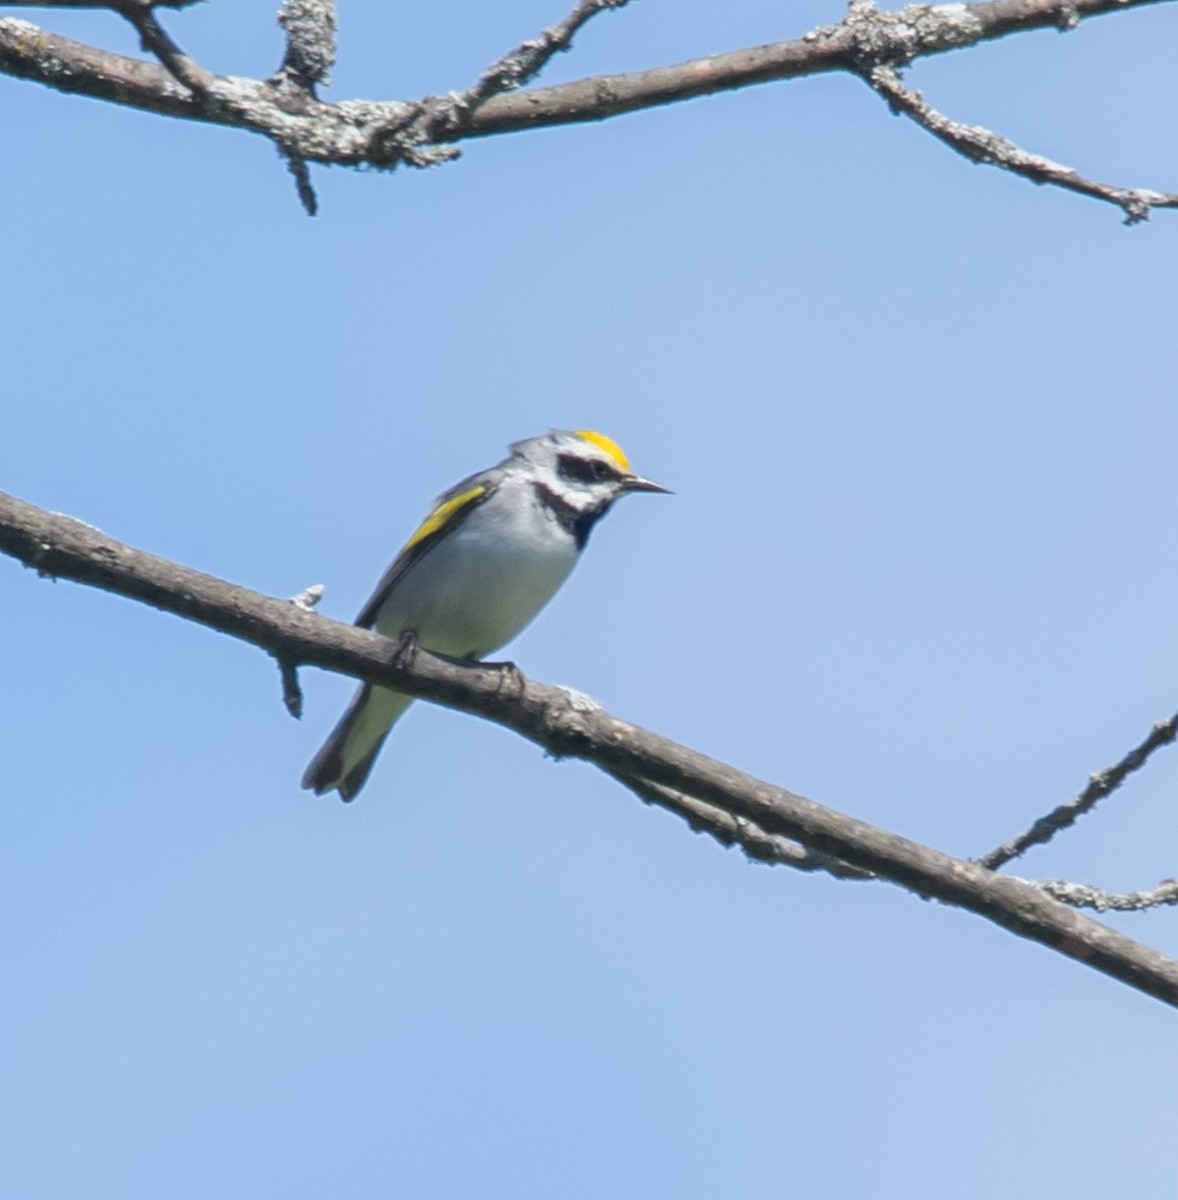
(582, 470)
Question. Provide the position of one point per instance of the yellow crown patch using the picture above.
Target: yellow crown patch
(608, 445)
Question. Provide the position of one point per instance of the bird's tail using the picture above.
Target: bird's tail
(344, 760)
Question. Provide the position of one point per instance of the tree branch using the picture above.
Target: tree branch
(567, 724)
(386, 133)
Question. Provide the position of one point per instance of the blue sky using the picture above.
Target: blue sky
(919, 419)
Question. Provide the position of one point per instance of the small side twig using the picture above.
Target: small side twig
(297, 166)
(1082, 895)
(528, 59)
(310, 41)
(155, 39)
(730, 830)
(292, 693)
(981, 145)
(1101, 784)
(310, 55)
(288, 668)
(444, 117)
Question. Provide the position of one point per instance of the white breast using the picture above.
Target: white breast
(478, 587)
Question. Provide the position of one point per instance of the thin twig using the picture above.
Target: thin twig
(528, 59)
(730, 830)
(1081, 895)
(414, 139)
(292, 693)
(155, 38)
(288, 668)
(982, 145)
(1100, 784)
(310, 41)
(297, 166)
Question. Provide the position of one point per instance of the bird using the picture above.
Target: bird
(492, 552)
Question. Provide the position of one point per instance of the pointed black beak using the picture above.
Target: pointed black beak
(635, 483)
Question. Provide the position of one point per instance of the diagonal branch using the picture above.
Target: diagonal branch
(527, 60)
(568, 725)
(415, 137)
(155, 38)
(152, 36)
(981, 145)
(1100, 784)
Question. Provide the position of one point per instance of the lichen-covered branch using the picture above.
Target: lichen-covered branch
(386, 133)
(570, 725)
(1082, 895)
(310, 41)
(982, 145)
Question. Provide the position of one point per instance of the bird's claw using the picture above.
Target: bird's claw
(408, 644)
(509, 673)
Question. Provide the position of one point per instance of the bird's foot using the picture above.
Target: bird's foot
(509, 676)
(408, 644)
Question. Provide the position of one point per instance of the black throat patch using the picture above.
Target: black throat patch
(578, 521)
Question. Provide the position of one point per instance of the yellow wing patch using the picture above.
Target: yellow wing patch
(608, 445)
(443, 513)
